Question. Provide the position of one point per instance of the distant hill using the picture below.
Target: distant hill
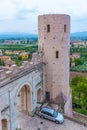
(79, 35)
(18, 35)
(14, 35)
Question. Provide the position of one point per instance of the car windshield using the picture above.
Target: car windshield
(55, 114)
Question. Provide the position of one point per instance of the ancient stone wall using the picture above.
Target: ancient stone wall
(9, 91)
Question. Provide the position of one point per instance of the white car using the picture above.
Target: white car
(51, 114)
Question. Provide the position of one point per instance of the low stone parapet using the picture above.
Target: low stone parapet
(80, 117)
(78, 120)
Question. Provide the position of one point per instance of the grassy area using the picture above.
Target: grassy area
(81, 61)
(81, 111)
(82, 68)
(30, 47)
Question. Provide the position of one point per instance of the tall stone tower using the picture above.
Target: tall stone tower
(54, 40)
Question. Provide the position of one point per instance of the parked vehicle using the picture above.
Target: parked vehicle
(51, 114)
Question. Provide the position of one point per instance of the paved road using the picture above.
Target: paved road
(36, 123)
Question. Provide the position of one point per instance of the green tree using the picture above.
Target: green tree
(78, 61)
(2, 63)
(85, 55)
(76, 80)
(20, 58)
(18, 62)
(79, 91)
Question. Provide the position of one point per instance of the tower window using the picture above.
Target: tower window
(64, 27)
(47, 94)
(57, 54)
(48, 28)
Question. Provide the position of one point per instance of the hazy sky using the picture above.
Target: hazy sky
(22, 15)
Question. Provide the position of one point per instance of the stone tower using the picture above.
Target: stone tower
(54, 40)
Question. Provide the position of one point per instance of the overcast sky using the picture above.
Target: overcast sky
(22, 15)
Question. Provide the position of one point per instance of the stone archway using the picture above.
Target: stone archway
(39, 95)
(24, 100)
(4, 124)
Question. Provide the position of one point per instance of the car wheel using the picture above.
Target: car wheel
(41, 116)
(57, 122)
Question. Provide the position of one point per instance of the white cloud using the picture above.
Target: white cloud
(28, 10)
(10, 8)
(76, 8)
(7, 9)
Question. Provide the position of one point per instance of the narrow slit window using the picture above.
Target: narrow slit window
(47, 96)
(57, 54)
(48, 28)
(64, 27)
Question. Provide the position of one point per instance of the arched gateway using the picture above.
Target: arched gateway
(39, 95)
(4, 124)
(23, 99)
(19, 95)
